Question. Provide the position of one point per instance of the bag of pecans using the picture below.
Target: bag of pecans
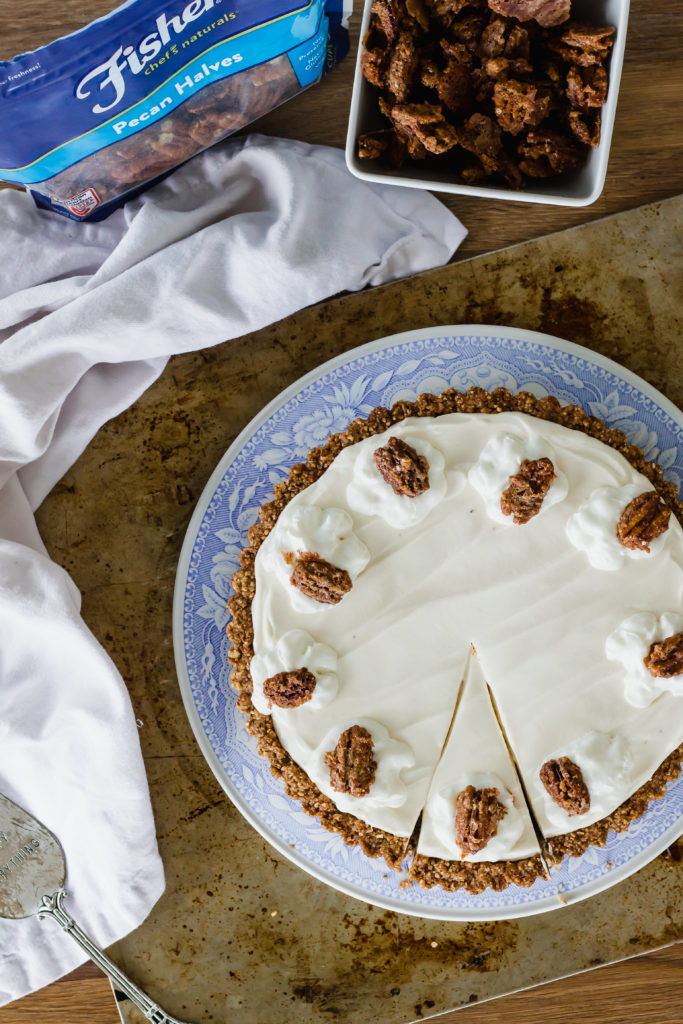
(100, 115)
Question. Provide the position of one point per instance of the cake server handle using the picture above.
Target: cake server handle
(51, 906)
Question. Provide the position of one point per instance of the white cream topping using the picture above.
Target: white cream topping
(593, 528)
(327, 532)
(369, 493)
(606, 766)
(294, 650)
(630, 644)
(533, 606)
(392, 756)
(509, 830)
(500, 459)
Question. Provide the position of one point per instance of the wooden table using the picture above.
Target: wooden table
(645, 165)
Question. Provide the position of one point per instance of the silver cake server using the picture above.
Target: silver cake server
(32, 876)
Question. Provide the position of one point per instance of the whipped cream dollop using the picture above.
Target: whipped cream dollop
(510, 827)
(593, 528)
(630, 644)
(606, 765)
(327, 532)
(500, 459)
(369, 493)
(294, 650)
(393, 757)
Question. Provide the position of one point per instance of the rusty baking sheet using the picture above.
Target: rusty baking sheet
(240, 931)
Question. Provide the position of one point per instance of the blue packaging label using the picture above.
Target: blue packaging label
(124, 72)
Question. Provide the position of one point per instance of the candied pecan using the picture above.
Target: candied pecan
(585, 126)
(520, 105)
(426, 123)
(417, 9)
(374, 144)
(544, 12)
(289, 689)
(467, 29)
(643, 519)
(429, 72)
(665, 657)
(352, 766)
(445, 11)
(587, 87)
(472, 172)
(523, 497)
(403, 67)
(481, 136)
(554, 72)
(536, 167)
(407, 142)
(483, 87)
(561, 152)
(401, 148)
(563, 781)
(404, 470)
(477, 813)
(373, 61)
(386, 13)
(454, 88)
(458, 51)
(581, 44)
(493, 38)
(502, 67)
(318, 579)
(518, 43)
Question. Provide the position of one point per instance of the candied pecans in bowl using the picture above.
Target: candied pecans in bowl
(455, 96)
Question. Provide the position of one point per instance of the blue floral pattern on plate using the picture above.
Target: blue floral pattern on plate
(322, 403)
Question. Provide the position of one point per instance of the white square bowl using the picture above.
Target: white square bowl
(573, 188)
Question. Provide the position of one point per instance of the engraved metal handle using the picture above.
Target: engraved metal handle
(51, 906)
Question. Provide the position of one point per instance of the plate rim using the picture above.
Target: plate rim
(495, 332)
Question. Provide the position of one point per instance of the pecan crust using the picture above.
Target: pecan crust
(643, 519)
(665, 657)
(477, 813)
(352, 766)
(289, 689)
(375, 842)
(316, 578)
(563, 781)
(404, 470)
(523, 497)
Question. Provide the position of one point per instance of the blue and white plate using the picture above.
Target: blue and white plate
(321, 403)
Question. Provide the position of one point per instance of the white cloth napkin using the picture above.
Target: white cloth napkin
(89, 314)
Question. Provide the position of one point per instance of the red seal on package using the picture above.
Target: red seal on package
(82, 203)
